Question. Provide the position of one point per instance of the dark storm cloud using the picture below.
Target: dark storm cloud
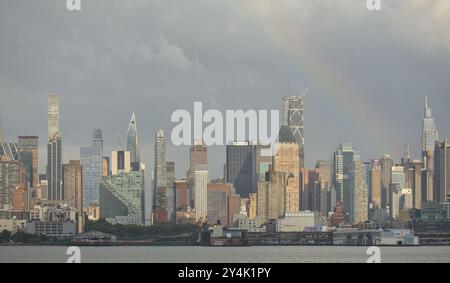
(153, 57)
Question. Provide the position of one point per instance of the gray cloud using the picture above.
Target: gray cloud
(153, 57)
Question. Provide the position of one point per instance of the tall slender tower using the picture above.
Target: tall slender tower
(293, 118)
(133, 144)
(160, 181)
(430, 134)
(54, 151)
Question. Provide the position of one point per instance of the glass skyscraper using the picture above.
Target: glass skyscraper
(133, 144)
(91, 159)
(343, 164)
(241, 168)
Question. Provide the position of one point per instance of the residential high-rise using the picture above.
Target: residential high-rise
(91, 158)
(442, 174)
(54, 168)
(359, 194)
(120, 162)
(286, 160)
(160, 179)
(13, 174)
(73, 184)
(121, 198)
(54, 151)
(171, 192)
(201, 195)
(386, 164)
(343, 160)
(53, 116)
(293, 118)
(28, 147)
(241, 168)
(133, 144)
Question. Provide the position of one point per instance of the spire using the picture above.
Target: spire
(427, 108)
(132, 141)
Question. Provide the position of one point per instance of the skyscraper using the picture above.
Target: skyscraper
(359, 194)
(28, 147)
(171, 193)
(386, 164)
(91, 159)
(241, 168)
(287, 161)
(73, 184)
(375, 179)
(201, 195)
(53, 116)
(133, 144)
(293, 118)
(272, 192)
(54, 151)
(54, 168)
(442, 174)
(430, 134)
(13, 174)
(160, 179)
(198, 160)
(120, 162)
(343, 160)
(97, 139)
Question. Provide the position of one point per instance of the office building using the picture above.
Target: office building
(293, 118)
(91, 159)
(241, 168)
(286, 160)
(343, 160)
(272, 194)
(73, 184)
(28, 154)
(442, 174)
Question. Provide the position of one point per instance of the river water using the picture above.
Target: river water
(274, 254)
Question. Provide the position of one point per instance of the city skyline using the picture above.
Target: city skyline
(357, 85)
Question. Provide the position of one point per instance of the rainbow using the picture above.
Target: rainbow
(323, 76)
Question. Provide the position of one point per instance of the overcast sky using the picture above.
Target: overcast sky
(368, 72)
